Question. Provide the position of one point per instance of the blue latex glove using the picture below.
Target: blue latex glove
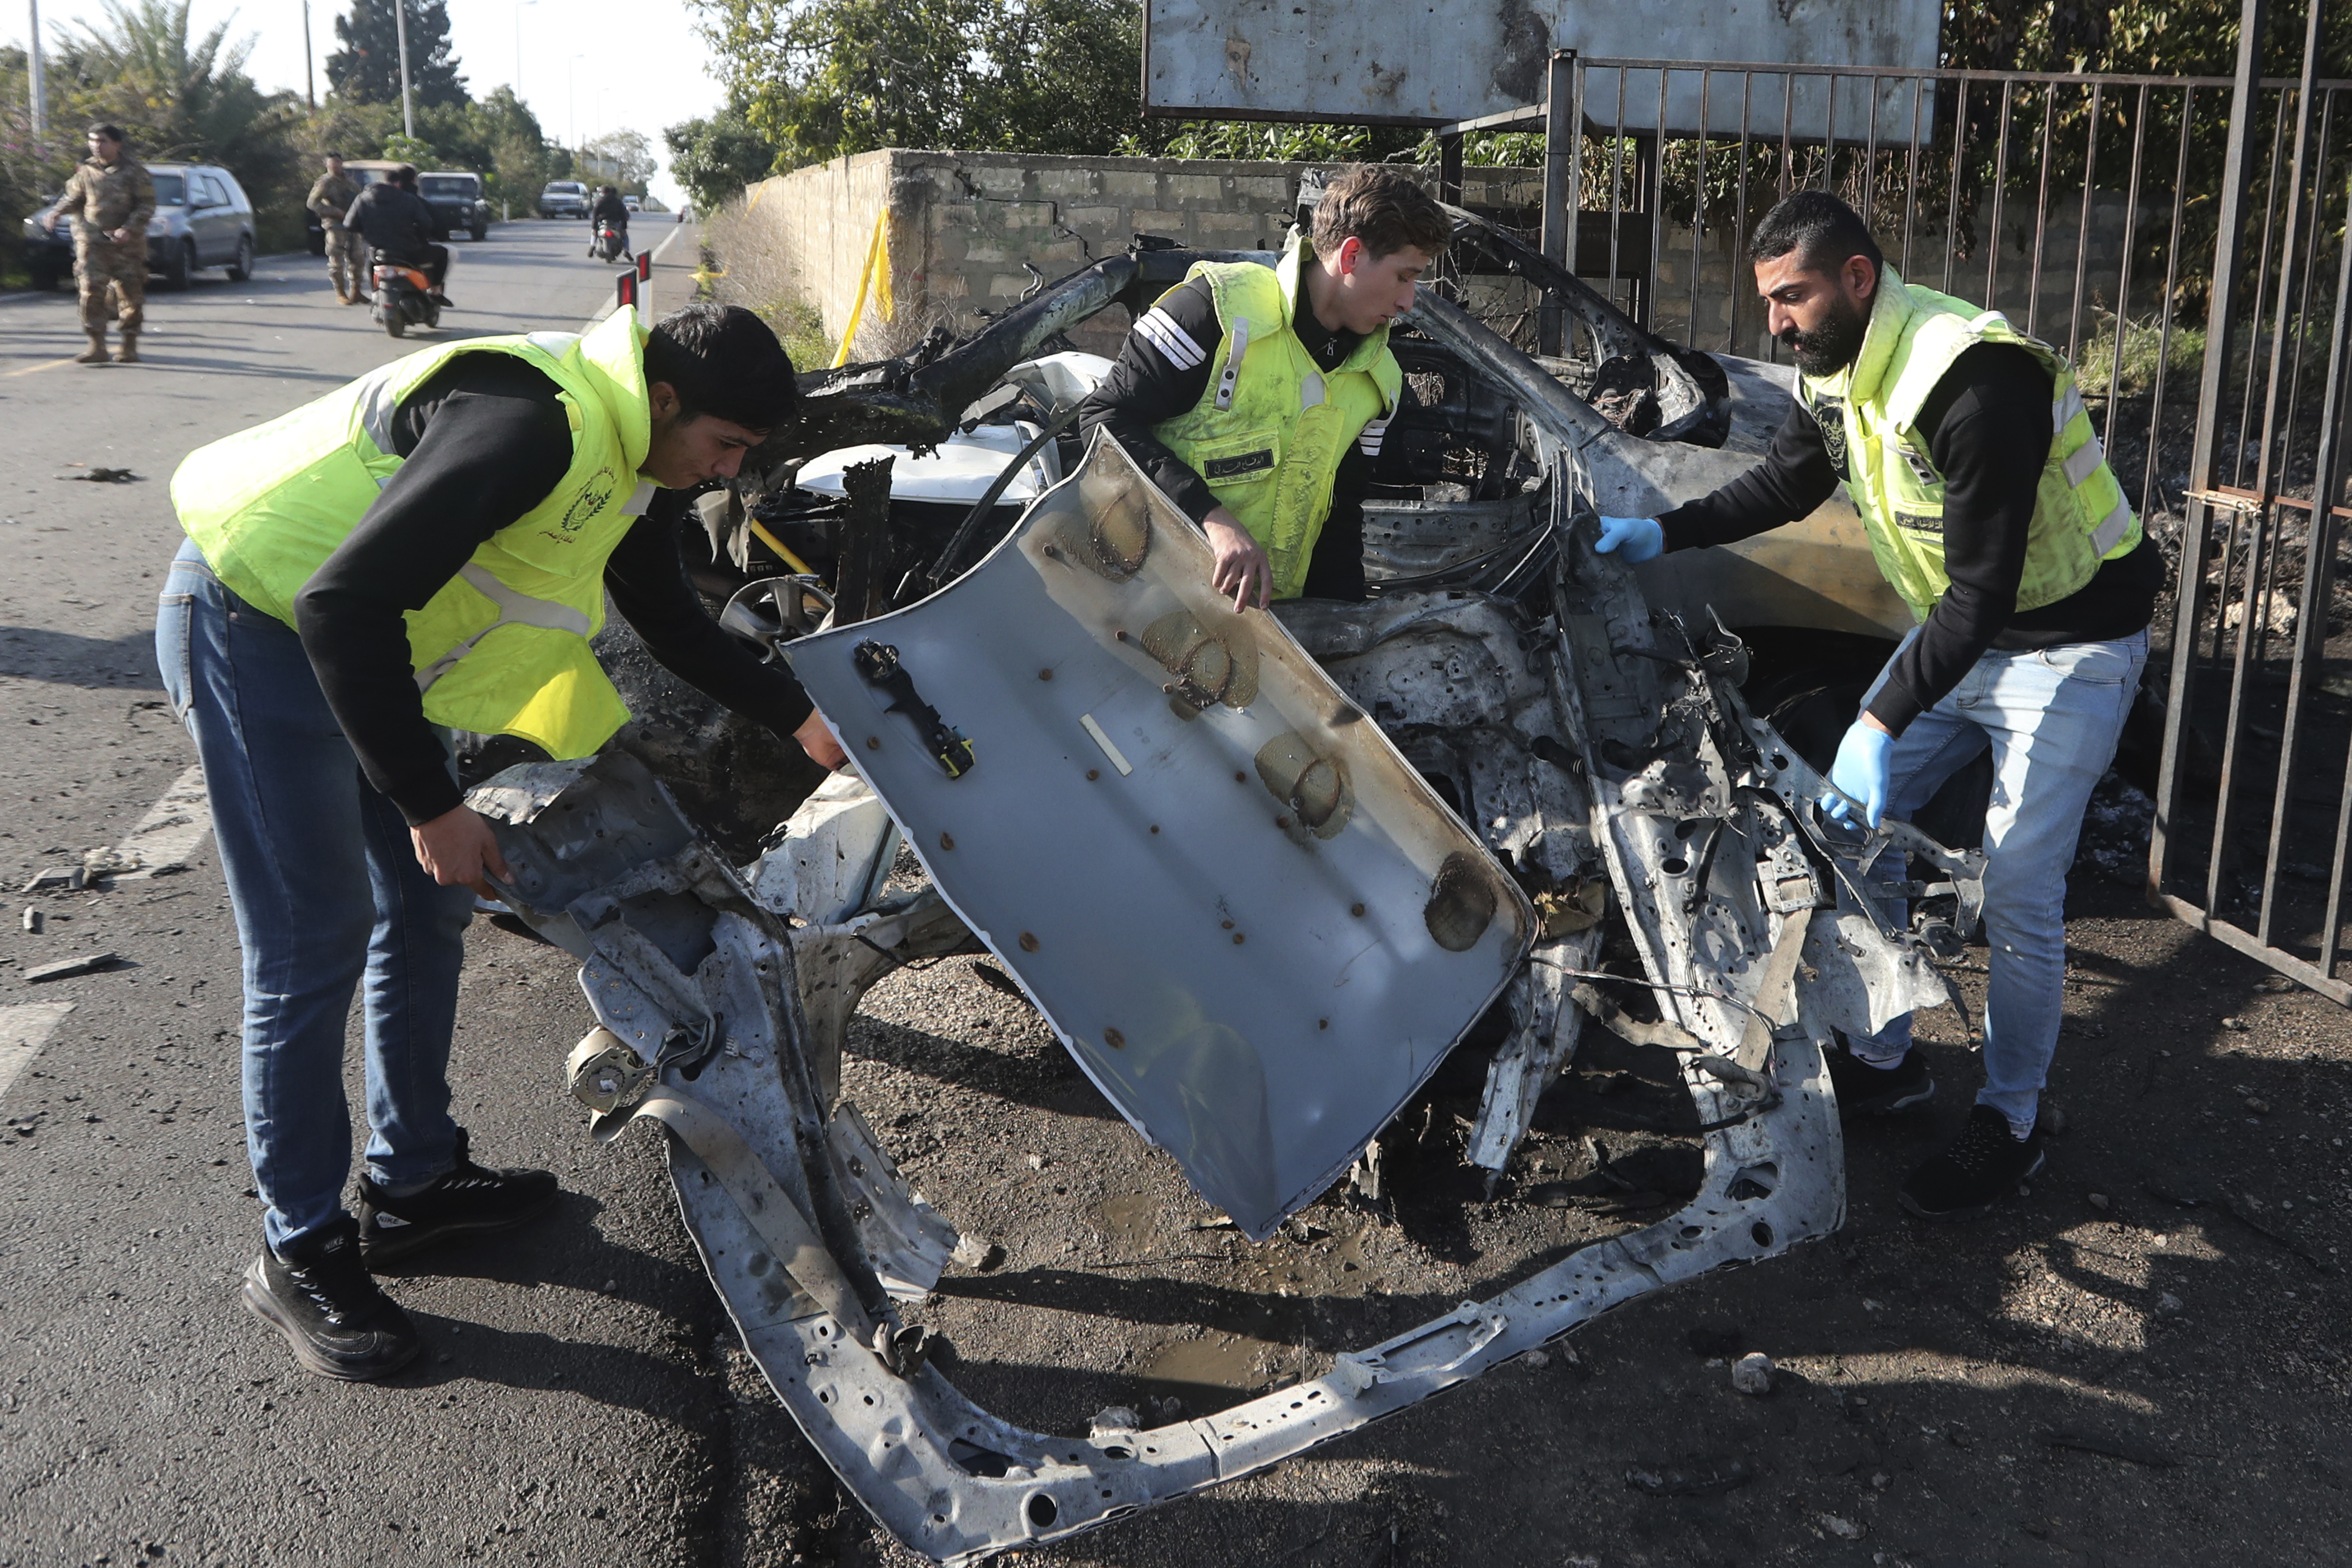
(1634, 538)
(1861, 772)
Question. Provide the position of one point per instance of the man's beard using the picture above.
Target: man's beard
(1831, 346)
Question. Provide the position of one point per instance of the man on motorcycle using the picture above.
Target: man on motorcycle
(611, 212)
(398, 226)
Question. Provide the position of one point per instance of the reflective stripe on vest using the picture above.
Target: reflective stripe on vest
(518, 608)
(1270, 429)
(1868, 415)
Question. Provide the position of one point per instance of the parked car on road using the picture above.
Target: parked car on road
(456, 201)
(564, 198)
(203, 219)
(633, 204)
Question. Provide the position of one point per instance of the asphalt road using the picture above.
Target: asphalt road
(570, 1407)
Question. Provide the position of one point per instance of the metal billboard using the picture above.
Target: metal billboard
(1418, 62)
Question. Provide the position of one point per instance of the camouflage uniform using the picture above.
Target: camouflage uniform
(331, 197)
(101, 198)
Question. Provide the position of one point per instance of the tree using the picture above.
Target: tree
(626, 157)
(714, 159)
(366, 69)
(824, 78)
(176, 96)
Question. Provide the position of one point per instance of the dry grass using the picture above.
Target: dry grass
(746, 264)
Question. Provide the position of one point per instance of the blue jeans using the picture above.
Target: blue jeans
(2052, 718)
(326, 888)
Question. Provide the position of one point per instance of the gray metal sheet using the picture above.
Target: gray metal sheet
(1256, 983)
(1413, 62)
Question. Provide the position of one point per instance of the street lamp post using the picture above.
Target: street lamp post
(407, 110)
(40, 96)
(572, 104)
(310, 78)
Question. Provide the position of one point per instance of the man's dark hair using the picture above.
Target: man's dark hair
(1383, 207)
(404, 176)
(723, 359)
(112, 132)
(1823, 231)
(331, 153)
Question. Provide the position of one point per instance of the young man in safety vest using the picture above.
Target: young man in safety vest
(1991, 508)
(1255, 397)
(427, 549)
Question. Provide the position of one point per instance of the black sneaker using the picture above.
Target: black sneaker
(1866, 1091)
(469, 1198)
(321, 1296)
(1977, 1170)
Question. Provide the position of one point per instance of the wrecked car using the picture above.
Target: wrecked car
(1296, 858)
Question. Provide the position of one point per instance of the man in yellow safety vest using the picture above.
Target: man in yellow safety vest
(1991, 508)
(427, 549)
(1256, 397)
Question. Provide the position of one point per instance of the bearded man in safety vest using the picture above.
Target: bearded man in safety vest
(1256, 397)
(1991, 508)
(427, 549)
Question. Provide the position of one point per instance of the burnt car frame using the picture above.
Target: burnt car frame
(1593, 746)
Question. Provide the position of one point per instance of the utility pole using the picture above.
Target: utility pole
(40, 92)
(407, 110)
(518, 11)
(310, 71)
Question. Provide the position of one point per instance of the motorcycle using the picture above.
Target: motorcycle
(609, 243)
(402, 297)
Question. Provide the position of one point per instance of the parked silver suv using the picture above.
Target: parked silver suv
(203, 219)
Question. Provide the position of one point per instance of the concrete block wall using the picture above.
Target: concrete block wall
(963, 225)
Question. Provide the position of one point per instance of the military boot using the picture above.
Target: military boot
(129, 353)
(97, 354)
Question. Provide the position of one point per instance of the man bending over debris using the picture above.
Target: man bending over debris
(1991, 508)
(1255, 397)
(428, 548)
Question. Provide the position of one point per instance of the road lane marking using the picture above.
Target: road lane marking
(23, 1032)
(173, 830)
(29, 369)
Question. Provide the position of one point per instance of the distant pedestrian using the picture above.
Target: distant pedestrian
(111, 197)
(331, 195)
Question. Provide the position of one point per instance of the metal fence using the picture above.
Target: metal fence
(2183, 239)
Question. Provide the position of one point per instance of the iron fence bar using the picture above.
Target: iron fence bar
(2335, 415)
(2228, 269)
(1829, 142)
(2311, 619)
(2122, 315)
(2147, 484)
(1616, 176)
(1999, 198)
(1869, 158)
(1739, 218)
(2083, 231)
(2310, 265)
(1699, 203)
(1911, 176)
(1564, 144)
(2262, 290)
(1952, 194)
(2245, 942)
(1945, 73)
(2040, 211)
(1649, 313)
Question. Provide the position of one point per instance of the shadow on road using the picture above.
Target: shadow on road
(34, 653)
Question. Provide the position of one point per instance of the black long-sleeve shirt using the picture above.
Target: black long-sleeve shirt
(1987, 426)
(483, 442)
(396, 222)
(1162, 372)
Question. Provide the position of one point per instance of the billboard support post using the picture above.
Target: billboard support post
(1563, 139)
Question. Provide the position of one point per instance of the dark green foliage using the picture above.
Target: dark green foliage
(366, 69)
(714, 159)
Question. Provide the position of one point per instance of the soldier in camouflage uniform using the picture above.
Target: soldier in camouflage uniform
(331, 197)
(111, 197)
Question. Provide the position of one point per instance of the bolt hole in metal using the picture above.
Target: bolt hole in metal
(1042, 1510)
(1763, 1233)
(1673, 867)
